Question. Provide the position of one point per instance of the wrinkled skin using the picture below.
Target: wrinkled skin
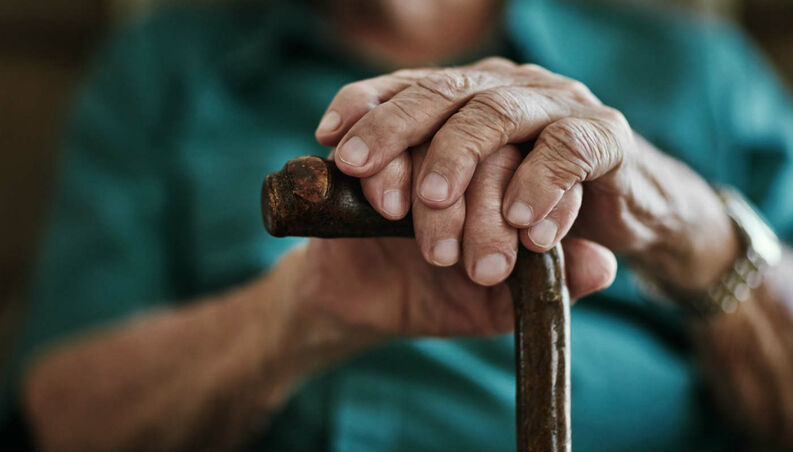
(468, 115)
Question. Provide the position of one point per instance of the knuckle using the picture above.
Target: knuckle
(614, 116)
(563, 173)
(408, 74)
(574, 86)
(473, 135)
(384, 129)
(496, 61)
(467, 145)
(580, 91)
(616, 133)
(448, 84)
(574, 149)
(356, 91)
(533, 69)
(498, 109)
(398, 115)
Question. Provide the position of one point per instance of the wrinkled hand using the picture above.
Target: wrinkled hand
(469, 186)
(384, 287)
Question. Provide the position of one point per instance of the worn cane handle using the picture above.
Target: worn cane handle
(310, 197)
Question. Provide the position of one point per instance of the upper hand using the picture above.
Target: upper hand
(468, 186)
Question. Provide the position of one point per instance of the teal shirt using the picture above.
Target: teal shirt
(184, 114)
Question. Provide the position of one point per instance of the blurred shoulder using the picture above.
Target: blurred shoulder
(594, 38)
(185, 36)
(644, 21)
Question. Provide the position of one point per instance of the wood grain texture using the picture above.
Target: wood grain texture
(542, 351)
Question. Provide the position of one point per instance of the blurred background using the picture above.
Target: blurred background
(44, 45)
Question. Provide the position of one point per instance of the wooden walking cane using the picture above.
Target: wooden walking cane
(310, 197)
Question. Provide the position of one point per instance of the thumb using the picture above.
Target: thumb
(590, 267)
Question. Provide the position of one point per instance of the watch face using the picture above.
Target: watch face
(762, 239)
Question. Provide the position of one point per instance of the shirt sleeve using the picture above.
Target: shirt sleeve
(104, 254)
(755, 117)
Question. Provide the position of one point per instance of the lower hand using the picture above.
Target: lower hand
(369, 289)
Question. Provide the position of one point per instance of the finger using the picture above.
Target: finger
(589, 267)
(494, 64)
(389, 190)
(356, 99)
(567, 152)
(490, 245)
(438, 231)
(491, 119)
(409, 118)
(547, 233)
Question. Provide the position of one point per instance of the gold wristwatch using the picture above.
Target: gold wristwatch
(762, 250)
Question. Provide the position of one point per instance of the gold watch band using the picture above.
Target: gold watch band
(762, 250)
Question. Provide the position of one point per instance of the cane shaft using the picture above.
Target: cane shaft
(542, 352)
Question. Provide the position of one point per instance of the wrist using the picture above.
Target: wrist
(306, 338)
(692, 260)
(693, 241)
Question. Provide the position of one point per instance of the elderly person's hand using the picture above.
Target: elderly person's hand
(582, 150)
(384, 287)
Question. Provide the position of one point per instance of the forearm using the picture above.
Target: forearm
(200, 377)
(747, 355)
(747, 358)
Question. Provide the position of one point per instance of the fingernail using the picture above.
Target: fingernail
(544, 233)
(354, 152)
(446, 252)
(520, 213)
(392, 202)
(435, 187)
(329, 122)
(490, 268)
